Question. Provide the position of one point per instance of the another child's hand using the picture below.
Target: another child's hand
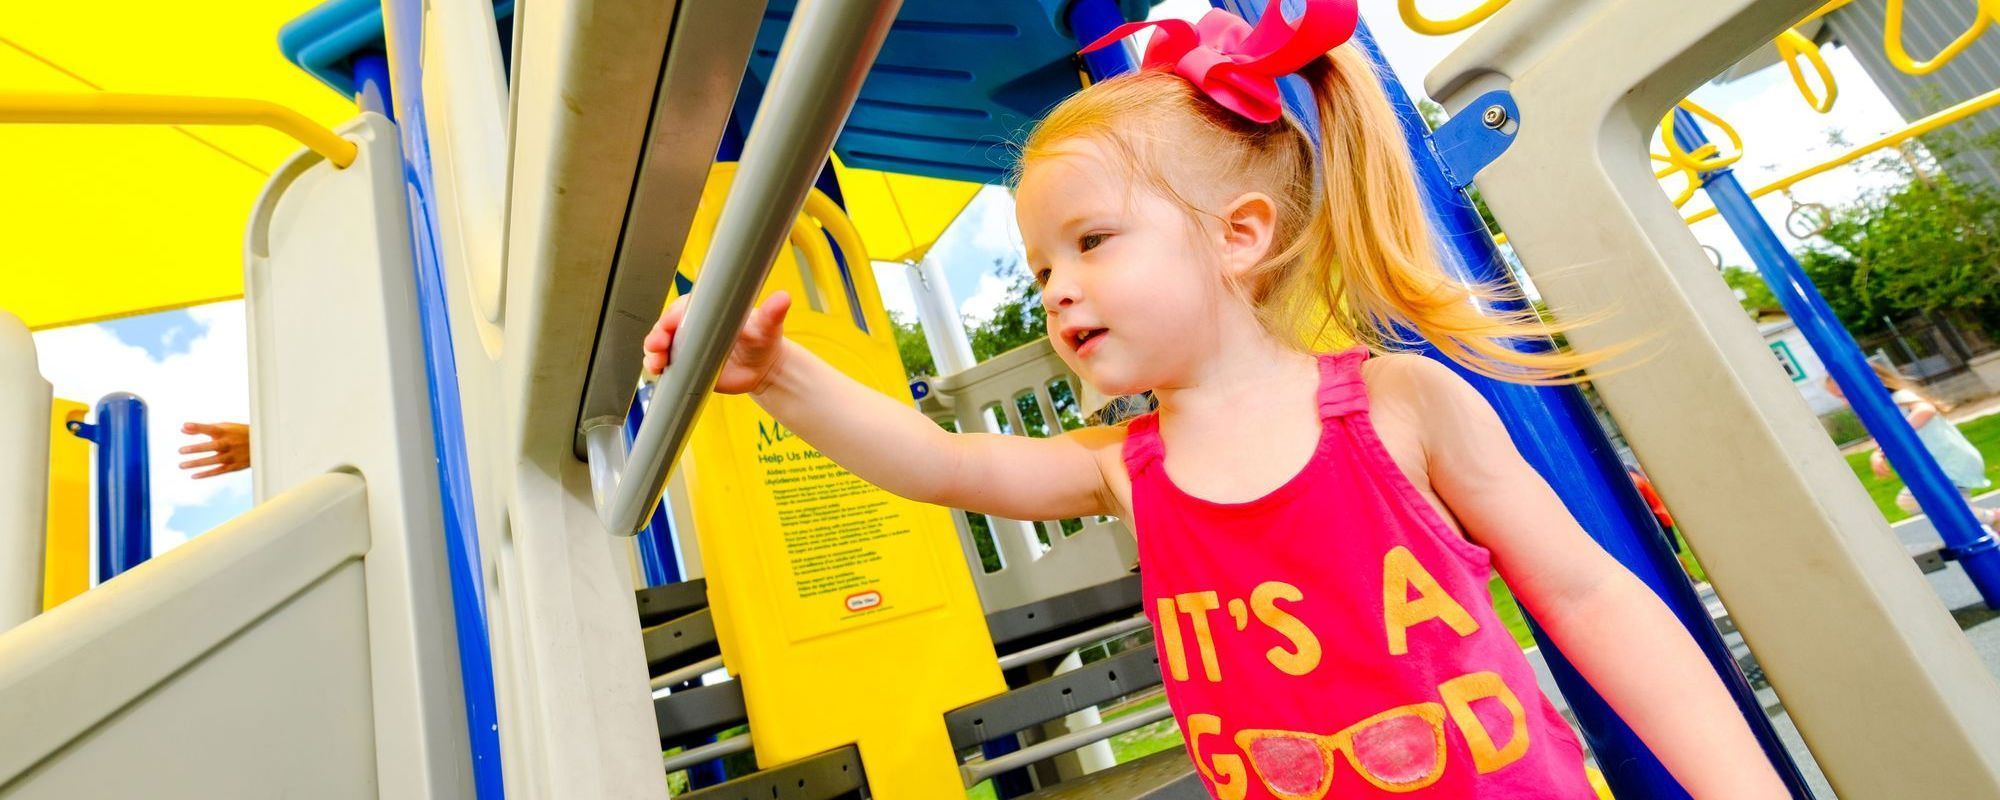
(758, 349)
(228, 441)
(1880, 463)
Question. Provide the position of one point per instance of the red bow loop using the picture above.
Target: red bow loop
(1236, 65)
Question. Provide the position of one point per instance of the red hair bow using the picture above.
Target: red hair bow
(1239, 66)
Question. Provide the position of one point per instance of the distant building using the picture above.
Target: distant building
(1801, 364)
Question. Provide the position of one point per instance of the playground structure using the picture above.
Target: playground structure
(509, 658)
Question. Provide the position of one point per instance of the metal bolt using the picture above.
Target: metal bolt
(1495, 117)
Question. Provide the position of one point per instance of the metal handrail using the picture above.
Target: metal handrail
(825, 56)
(708, 752)
(1068, 643)
(981, 770)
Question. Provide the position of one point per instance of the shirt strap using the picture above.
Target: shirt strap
(1142, 448)
(1341, 391)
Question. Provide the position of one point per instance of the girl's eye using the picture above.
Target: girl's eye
(1090, 241)
(1041, 277)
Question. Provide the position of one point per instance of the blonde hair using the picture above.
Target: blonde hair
(1354, 259)
(1895, 381)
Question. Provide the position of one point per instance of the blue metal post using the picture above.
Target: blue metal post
(659, 552)
(371, 84)
(1967, 541)
(403, 22)
(1090, 20)
(1559, 435)
(124, 496)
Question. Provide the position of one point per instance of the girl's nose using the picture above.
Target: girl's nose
(1059, 293)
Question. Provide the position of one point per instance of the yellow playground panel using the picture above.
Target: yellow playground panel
(813, 573)
(66, 570)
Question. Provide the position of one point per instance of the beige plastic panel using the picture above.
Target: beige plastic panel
(236, 665)
(1099, 552)
(338, 382)
(24, 473)
(1886, 690)
(576, 718)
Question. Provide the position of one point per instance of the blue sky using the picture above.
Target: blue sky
(160, 335)
(191, 364)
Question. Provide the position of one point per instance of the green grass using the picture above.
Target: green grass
(1984, 434)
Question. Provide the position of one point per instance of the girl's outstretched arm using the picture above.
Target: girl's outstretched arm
(1622, 638)
(894, 446)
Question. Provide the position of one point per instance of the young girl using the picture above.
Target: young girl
(1961, 462)
(1316, 530)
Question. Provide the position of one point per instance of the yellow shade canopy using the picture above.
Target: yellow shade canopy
(98, 222)
(105, 221)
(900, 216)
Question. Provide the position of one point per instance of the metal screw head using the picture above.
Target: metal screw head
(1494, 117)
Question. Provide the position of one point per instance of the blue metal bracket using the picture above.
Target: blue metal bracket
(1983, 544)
(1476, 136)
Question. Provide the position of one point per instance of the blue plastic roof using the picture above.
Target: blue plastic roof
(325, 40)
(955, 87)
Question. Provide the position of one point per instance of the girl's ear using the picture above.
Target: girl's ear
(1249, 224)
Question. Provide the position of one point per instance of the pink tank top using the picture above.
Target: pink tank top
(1334, 638)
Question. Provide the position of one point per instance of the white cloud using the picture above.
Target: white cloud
(207, 382)
(991, 293)
(891, 283)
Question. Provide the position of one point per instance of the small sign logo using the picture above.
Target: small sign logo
(864, 600)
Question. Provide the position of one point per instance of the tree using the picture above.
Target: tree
(1018, 320)
(1928, 246)
(1755, 296)
(912, 346)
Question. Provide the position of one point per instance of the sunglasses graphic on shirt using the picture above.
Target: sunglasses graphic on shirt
(1399, 750)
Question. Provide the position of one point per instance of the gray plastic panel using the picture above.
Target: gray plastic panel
(832, 775)
(1072, 612)
(660, 604)
(1053, 698)
(685, 716)
(680, 642)
(1166, 775)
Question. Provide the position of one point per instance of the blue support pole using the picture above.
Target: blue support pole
(403, 22)
(1966, 541)
(371, 84)
(1557, 432)
(1090, 20)
(659, 551)
(124, 496)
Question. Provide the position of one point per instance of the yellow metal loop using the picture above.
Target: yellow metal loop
(1702, 159)
(112, 108)
(1416, 20)
(1991, 99)
(1693, 179)
(1892, 38)
(1791, 46)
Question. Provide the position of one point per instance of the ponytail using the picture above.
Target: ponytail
(1369, 265)
(1355, 260)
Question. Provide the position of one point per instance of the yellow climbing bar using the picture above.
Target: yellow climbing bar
(1702, 159)
(1415, 18)
(1793, 45)
(112, 108)
(1915, 129)
(1892, 38)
